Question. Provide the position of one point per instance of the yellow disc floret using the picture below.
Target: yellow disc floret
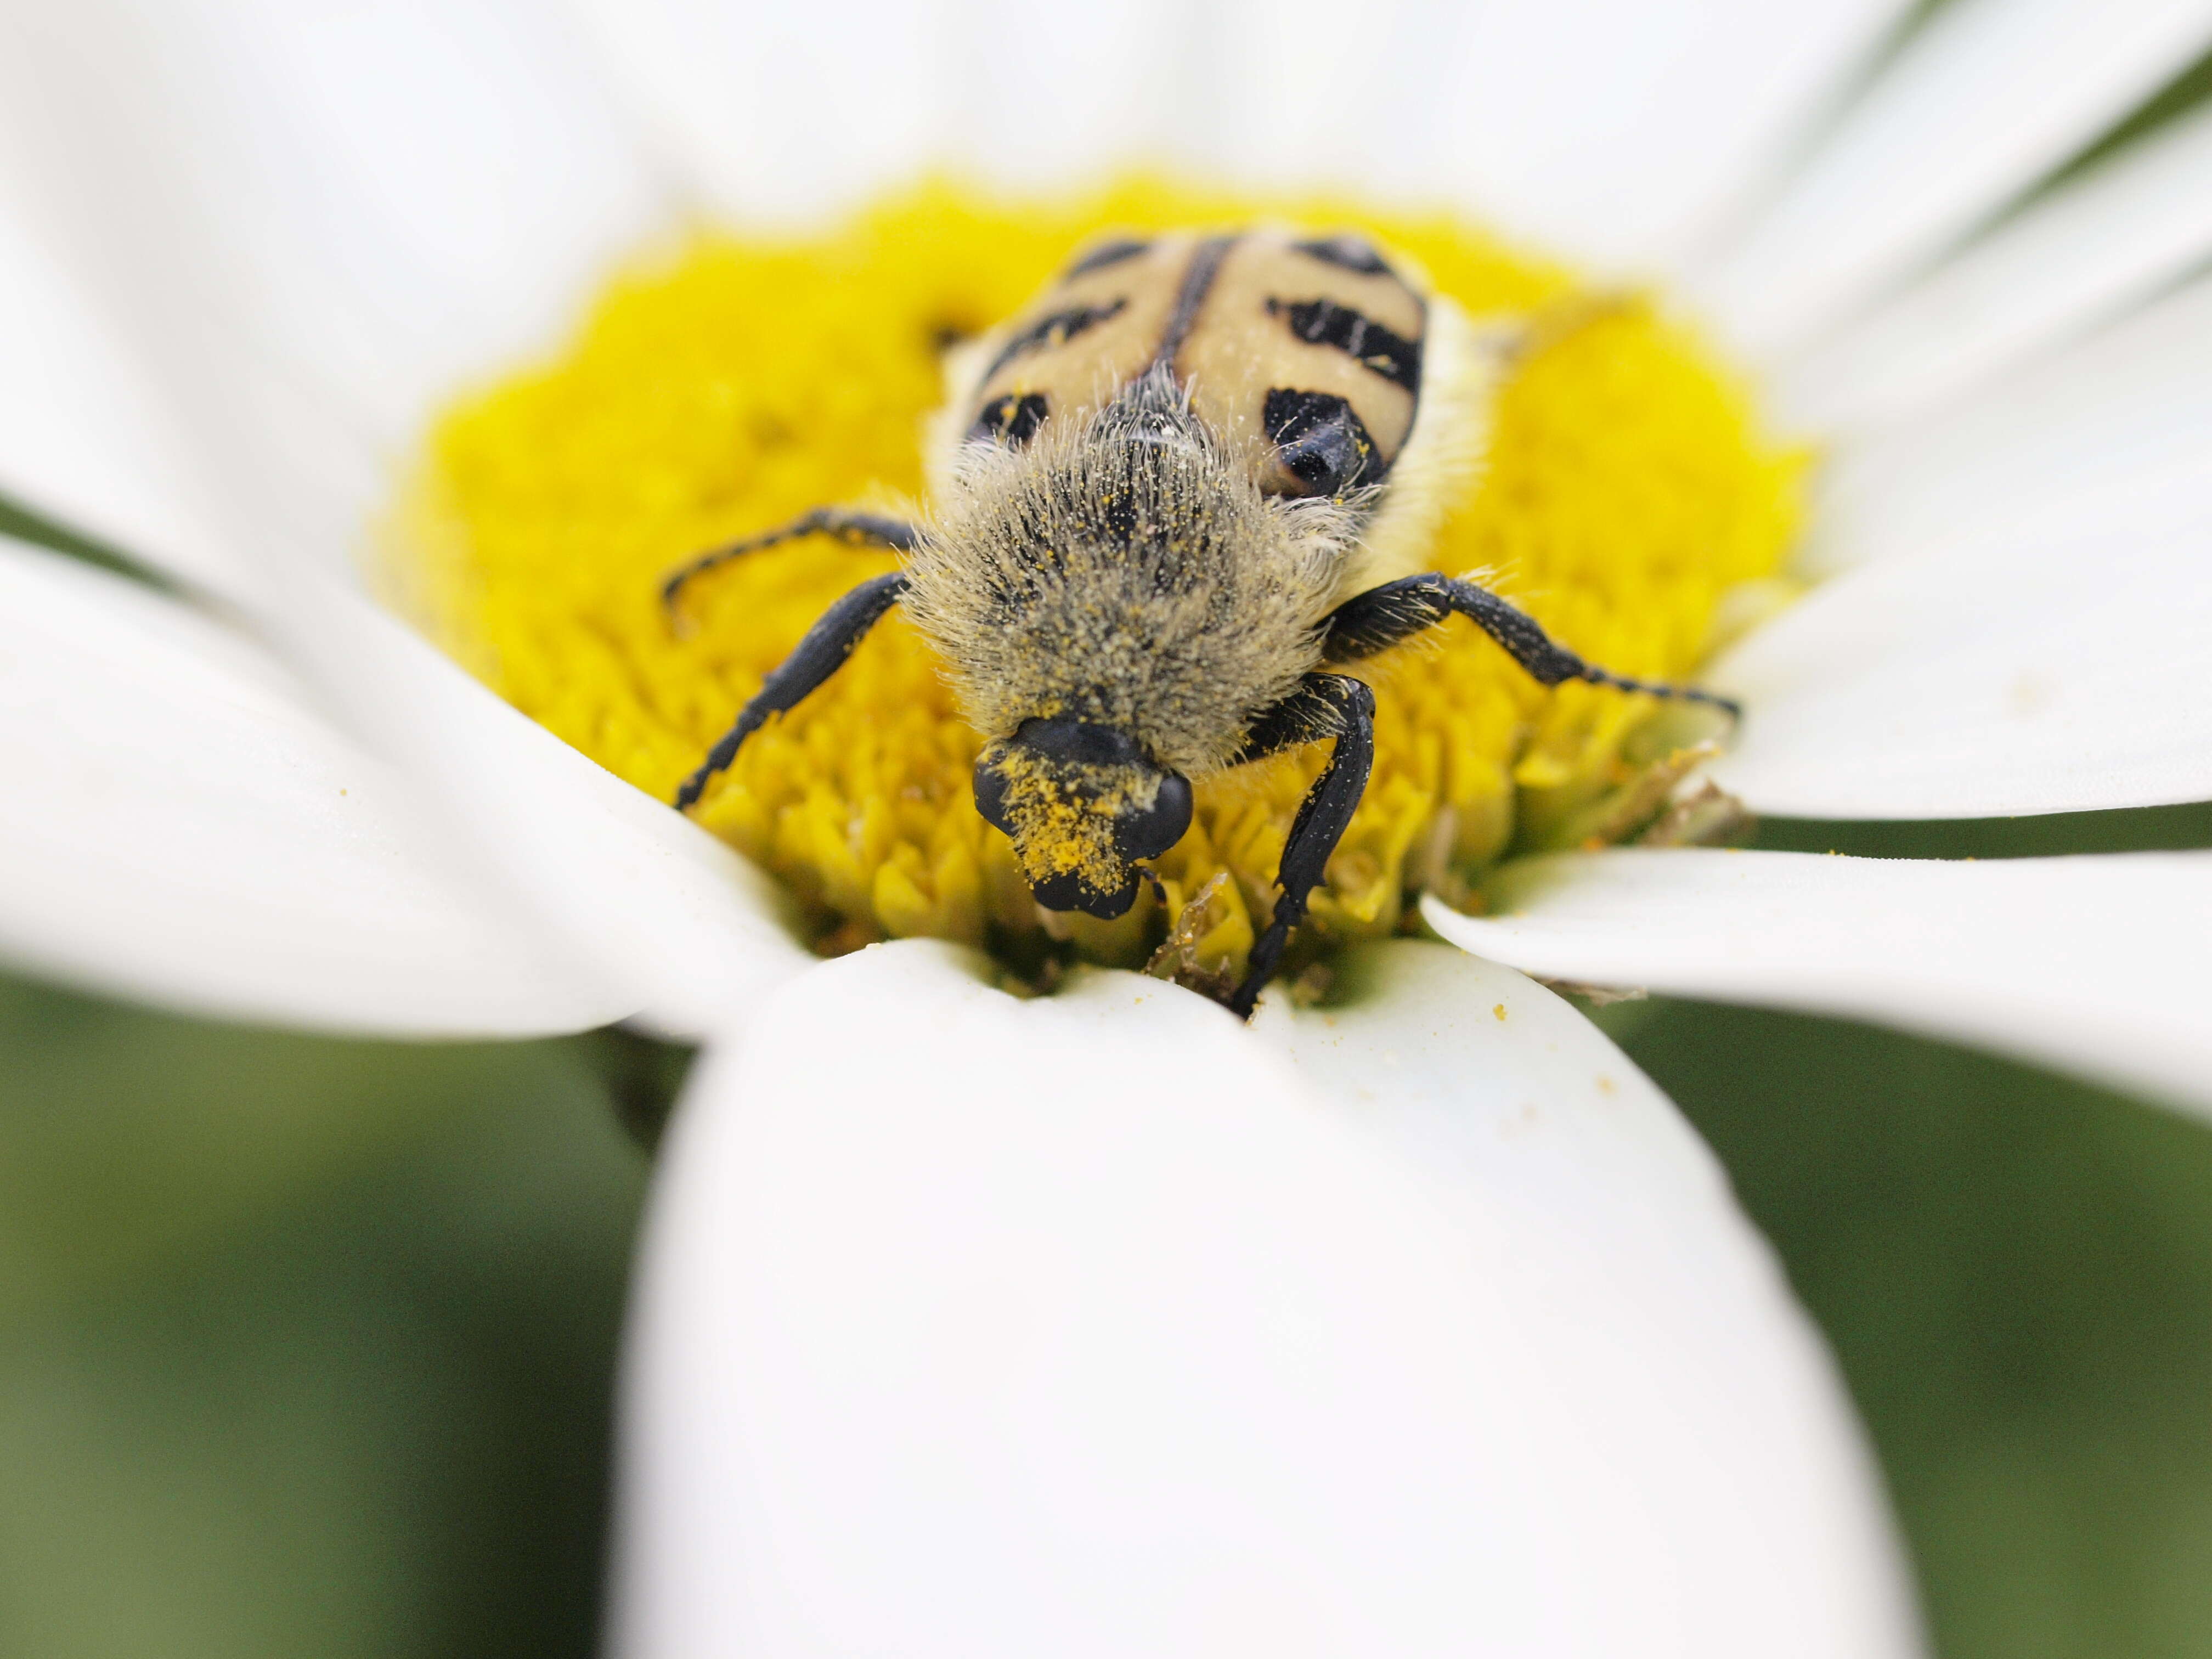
(1629, 502)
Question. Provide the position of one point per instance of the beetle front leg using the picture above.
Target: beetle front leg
(1384, 616)
(1324, 705)
(820, 654)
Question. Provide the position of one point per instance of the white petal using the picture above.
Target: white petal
(2102, 241)
(2100, 965)
(795, 111)
(1667, 1331)
(392, 198)
(1988, 97)
(776, 111)
(81, 440)
(1087, 1325)
(2085, 253)
(1617, 131)
(178, 826)
(696, 933)
(2108, 437)
(1610, 131)
(363, 204)
(2053, 670)
(1510, 110)
(1038, 92)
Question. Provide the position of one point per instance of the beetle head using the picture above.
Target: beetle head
(1082, 804)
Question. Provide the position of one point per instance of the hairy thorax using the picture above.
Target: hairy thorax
(1124, 571)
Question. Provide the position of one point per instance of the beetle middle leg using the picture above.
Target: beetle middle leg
(1339, 705)
(1386, 616)
(853, 529)
(821, 654)
(1324, 705)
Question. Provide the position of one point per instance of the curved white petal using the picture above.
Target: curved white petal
(80, 440)
(1668, 1333)
(1616, 131)
(696, 933)
(2097, 245)
(1988, 95)
(1611, 131)
(1622, 153)
(2099, 965)
(361, 204)
(2108, 437)
(1095, 1325)
(781, 111)
(2054, 670)
(178, 825)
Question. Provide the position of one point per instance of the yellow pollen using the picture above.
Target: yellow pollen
(1630, 502)
(1057, 833)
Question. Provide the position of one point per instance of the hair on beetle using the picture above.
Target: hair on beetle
(1125, 570)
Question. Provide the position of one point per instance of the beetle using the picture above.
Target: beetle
(1169, 502)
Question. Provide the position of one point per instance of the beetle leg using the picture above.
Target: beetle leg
(1383, 617)
(853, 529)
(1324, 705)
(816, 657)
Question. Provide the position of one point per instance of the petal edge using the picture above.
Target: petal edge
(180, 826)
(1081, 1326)
(2099, 965)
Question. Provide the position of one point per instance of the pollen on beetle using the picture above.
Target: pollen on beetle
(1630, 501)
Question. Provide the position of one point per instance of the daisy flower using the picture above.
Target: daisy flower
(1414, 1320)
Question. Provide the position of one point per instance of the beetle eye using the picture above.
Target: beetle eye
(1146, 832)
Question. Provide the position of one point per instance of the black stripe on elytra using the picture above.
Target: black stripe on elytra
(1056, 330)
(1324, 322)
(1321, 441)
(1197, 283)
(1105, 254)
(1346, 252)
(1011, 420)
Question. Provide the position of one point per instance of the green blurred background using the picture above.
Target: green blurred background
(308, 1344)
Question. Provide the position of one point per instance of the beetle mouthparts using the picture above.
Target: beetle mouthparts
(1082, 804)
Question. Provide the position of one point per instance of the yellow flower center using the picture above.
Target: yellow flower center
(1629, 503)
